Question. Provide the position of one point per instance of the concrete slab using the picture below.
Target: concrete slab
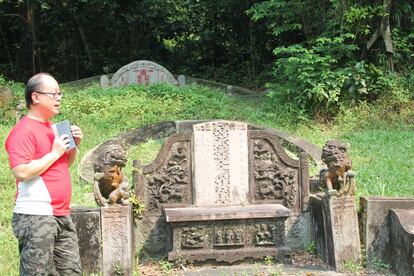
(402, 241)
(374, 227)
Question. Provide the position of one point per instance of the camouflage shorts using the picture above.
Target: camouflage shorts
(48, 245)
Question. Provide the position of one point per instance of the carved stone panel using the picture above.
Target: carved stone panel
(228, 240)
(266, 234)
(117, 239)
(229, 236)
(192, 237)
(274, 176)
(168, 180)
(220, 163)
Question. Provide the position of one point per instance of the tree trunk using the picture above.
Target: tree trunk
(384, 31)
(34, 45)
(7, 48)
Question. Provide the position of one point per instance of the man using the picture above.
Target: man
(40, 161)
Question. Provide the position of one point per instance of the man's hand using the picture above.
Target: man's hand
(60, 145)
(77, 134)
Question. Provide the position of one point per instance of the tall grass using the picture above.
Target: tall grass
(382, 150)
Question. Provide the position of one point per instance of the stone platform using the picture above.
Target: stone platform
(228, 234)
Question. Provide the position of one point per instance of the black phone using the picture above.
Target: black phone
(64, 128)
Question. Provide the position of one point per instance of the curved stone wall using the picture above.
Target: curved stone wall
(165, 129)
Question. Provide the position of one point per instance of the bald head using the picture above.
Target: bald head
(36, 83)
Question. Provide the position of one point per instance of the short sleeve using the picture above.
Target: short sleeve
(20, 146)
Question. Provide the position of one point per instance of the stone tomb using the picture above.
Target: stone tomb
(142, 72)
(224, 192)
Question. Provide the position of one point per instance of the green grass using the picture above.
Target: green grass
(383, 160)
(381, 146)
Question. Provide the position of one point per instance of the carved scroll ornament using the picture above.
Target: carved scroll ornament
(273, 179)
(169, 183)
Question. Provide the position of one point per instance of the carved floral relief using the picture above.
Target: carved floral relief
(170, 183)
(273, 179)
(192, 237)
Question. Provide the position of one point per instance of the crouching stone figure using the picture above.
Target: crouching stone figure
(337, 177)
(110, 185)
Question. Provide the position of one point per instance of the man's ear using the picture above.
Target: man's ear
(35, 98)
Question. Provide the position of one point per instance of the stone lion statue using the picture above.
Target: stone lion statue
(110, 185)
(338, 177)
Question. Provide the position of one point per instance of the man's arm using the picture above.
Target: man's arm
(36, 167)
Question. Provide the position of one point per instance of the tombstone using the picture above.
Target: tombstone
(222, 192)
(220, 157)
(104, 81)
(117, 240)
(230, 90)
(181, 80)
(142, 72)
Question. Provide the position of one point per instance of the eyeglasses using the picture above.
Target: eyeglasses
(54, 95)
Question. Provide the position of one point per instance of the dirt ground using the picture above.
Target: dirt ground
(302, 263)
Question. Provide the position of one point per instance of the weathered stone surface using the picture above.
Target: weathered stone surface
(151, 237)
(338, 177)
(220, 163)
(117, 240)
(229, 212)
(168, 180)
(317, 226)
(297, 230)
(335, 229)
(375, 226)
(228, 240)
(181, 80)
(295, 144)
(104, 81)
(8, 109)
(401, 224)
(142, 72)
(274, 179)
(274, 176)
(165, 182)
(88, 227)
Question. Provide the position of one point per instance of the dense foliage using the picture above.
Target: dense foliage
(343, 51)
(318, 54)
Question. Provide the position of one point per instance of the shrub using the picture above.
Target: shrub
(320, 78)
